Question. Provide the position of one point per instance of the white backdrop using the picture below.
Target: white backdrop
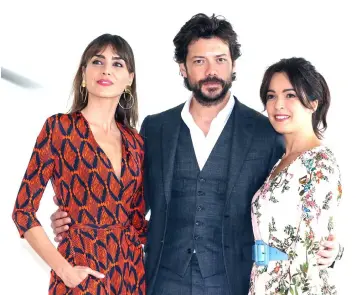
(45, 42)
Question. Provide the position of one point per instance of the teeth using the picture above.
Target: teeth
(282, 117)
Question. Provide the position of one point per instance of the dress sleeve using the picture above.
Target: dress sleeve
(138, 215)
(39, 171)
(320, 192)
(138, 208)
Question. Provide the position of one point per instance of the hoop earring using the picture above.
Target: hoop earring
(84, 94)
(128, 98)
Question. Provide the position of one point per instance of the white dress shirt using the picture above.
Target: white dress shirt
(204, 144)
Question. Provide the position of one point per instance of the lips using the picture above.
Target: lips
(281, 118)
(212, 84)
(104, 82)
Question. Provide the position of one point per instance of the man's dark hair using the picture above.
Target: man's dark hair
(203, 26)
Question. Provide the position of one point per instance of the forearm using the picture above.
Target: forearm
(42, 245)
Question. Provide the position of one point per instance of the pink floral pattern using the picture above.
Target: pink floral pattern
(294, 212)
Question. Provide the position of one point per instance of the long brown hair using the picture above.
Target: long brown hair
(128, 117)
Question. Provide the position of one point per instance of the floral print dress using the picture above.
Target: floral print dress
(293, 212)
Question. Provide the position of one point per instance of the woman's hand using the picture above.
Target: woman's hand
(73, 276)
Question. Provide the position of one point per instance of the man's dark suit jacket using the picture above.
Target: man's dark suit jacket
(256, 147)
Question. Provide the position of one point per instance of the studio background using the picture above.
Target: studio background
(44, 41)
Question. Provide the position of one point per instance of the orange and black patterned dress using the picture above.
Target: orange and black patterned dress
(107, 215)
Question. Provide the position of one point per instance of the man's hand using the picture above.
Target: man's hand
(59, 221)
(328, 252)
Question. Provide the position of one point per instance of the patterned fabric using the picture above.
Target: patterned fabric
(293, 212)
(107, 214)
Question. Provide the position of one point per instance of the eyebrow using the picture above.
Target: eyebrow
(201, 56)
(284, 90)
(102, 56)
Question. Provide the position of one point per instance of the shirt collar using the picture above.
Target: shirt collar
(222, 116)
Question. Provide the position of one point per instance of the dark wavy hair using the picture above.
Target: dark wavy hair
(203, 26)
(309, 86)
(128, 117)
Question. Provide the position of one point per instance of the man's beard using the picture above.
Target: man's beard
(209, 100)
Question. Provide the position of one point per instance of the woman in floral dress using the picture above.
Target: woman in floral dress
(295, 209)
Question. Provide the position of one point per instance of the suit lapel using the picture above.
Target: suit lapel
(170, 134)
(243, 129)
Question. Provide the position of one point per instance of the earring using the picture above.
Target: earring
(128, 98)
(83, 93)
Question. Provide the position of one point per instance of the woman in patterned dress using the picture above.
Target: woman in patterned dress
(94, 159)
(294, 211)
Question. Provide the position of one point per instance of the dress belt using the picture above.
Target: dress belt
(263, 253)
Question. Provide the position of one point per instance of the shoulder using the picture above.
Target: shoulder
(322, 159)
(153, 123)
(65, 122)
(165, 116)
(49, 130)
(52, 120)
(264, 132)
(322, 179)
(322, 173)
(62, 118)
(262, 123)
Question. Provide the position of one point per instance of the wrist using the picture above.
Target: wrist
(63, 269)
